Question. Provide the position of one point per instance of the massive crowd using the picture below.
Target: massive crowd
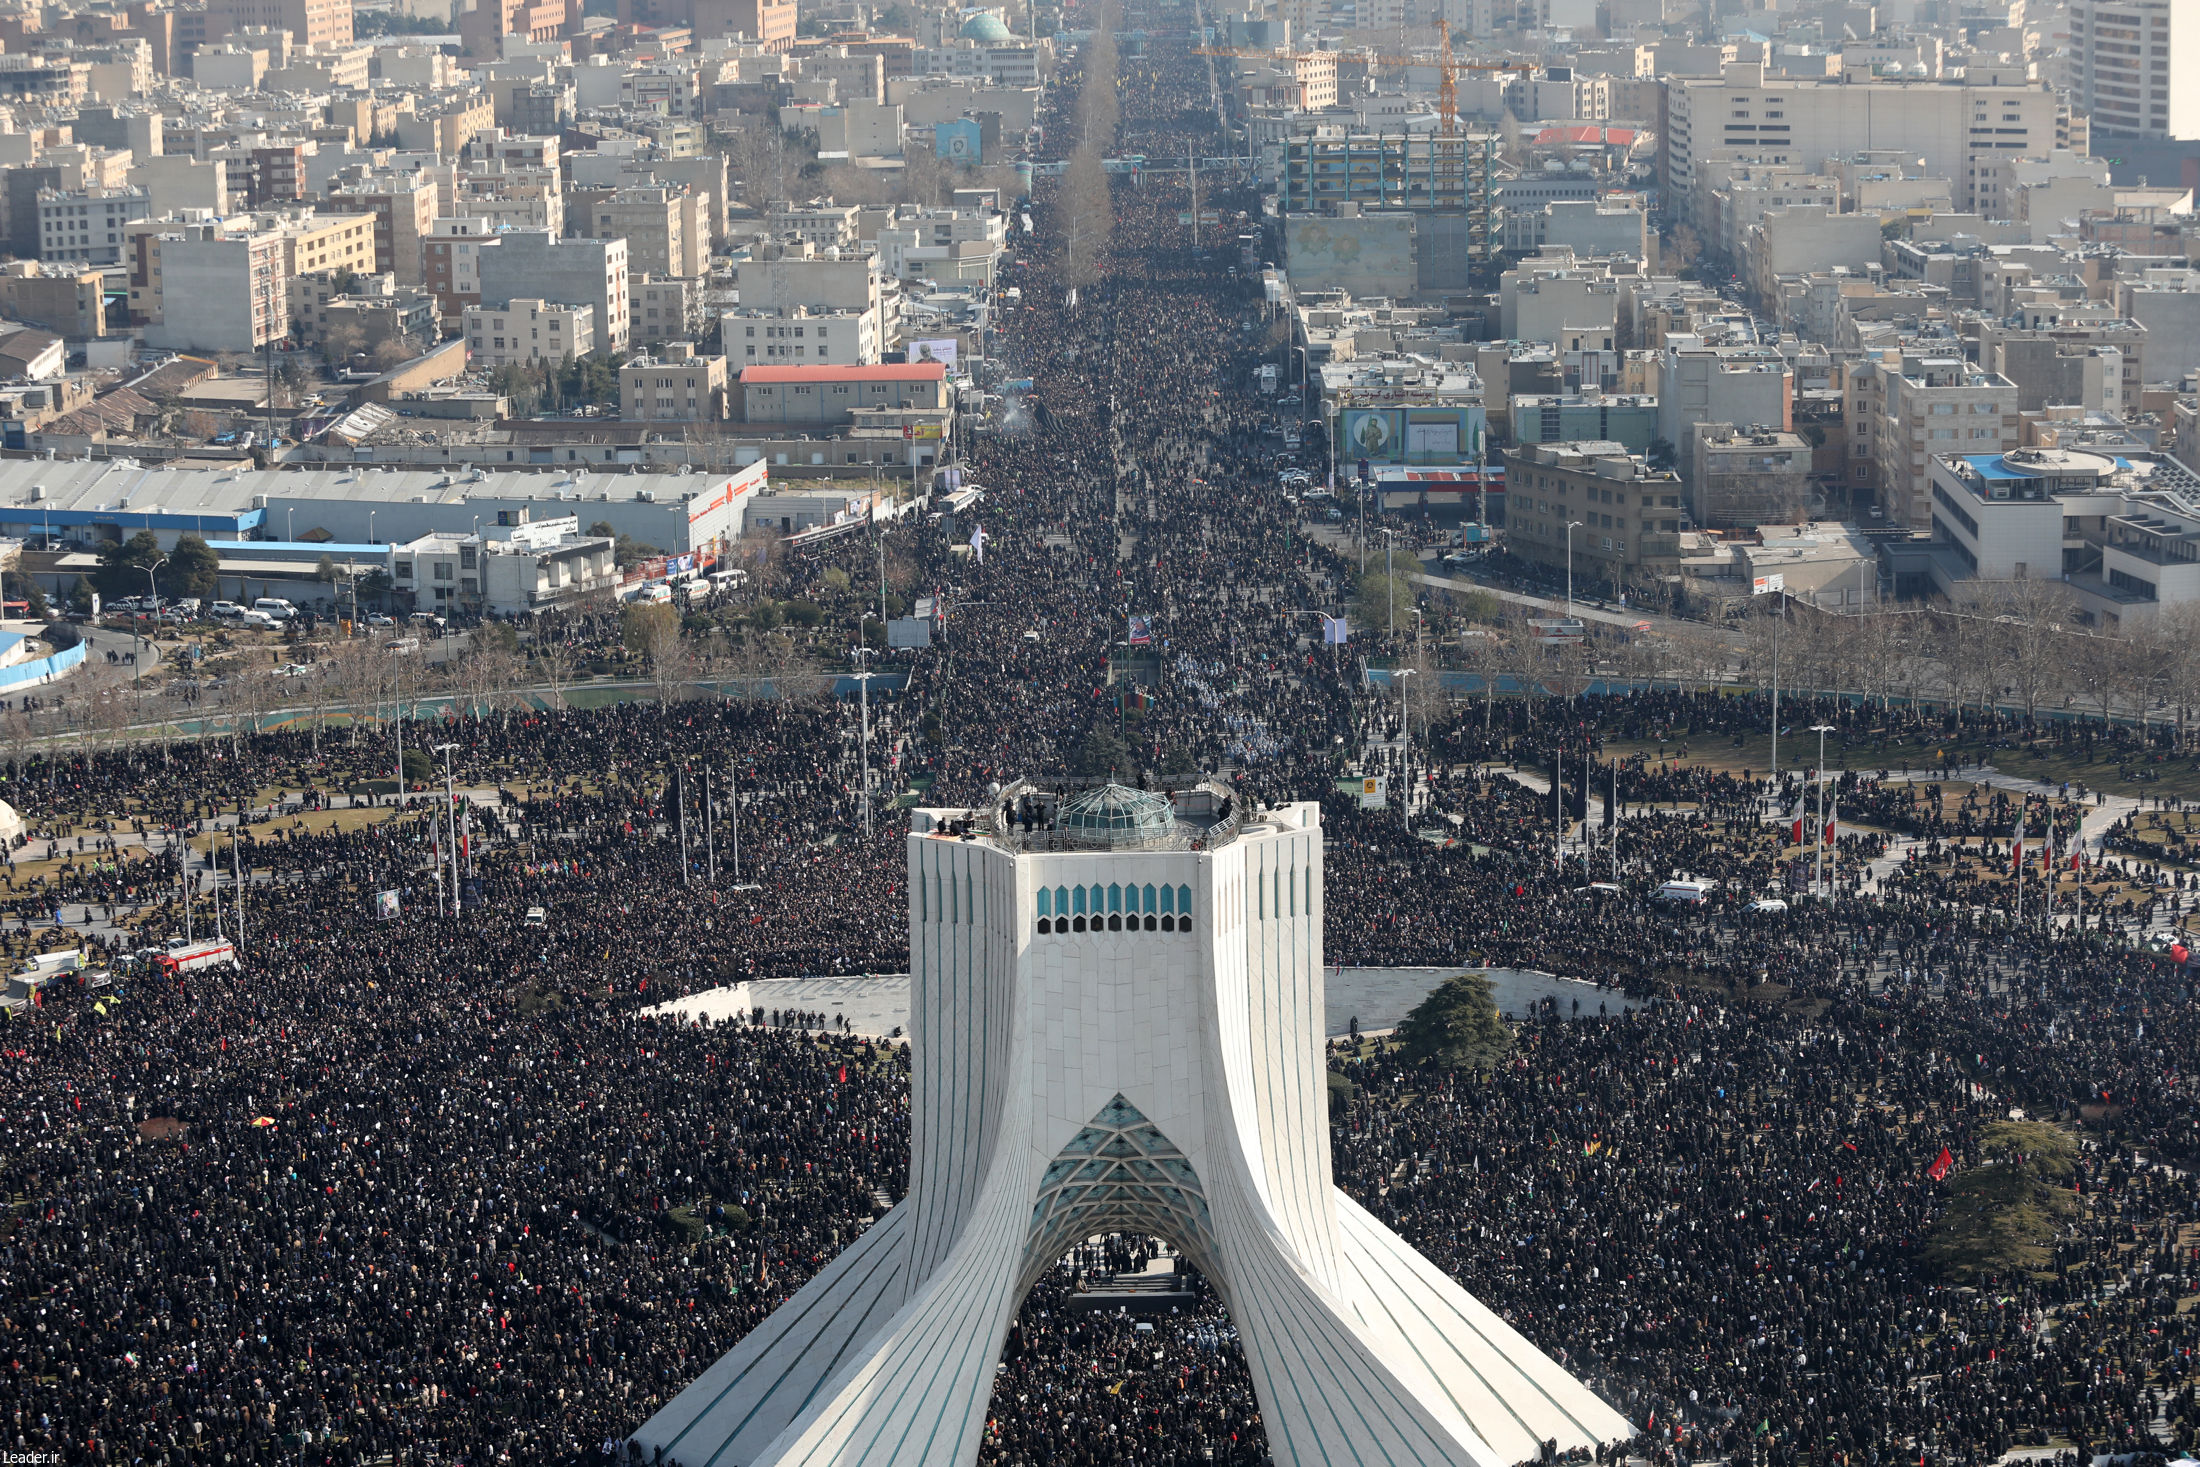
(435, 1189)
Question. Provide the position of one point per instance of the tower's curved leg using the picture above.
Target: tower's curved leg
(735, 1408)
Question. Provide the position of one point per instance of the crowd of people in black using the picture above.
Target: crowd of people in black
(429, 1188)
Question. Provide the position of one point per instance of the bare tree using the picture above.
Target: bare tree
(2180, 630)
(2029, 618)
(1087, 212)
(2101, 672)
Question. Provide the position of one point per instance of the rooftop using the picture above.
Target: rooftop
(1099, 815)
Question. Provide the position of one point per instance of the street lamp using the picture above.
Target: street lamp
(1818, 873)
(1571, 526)
(1405, 742)
(152, 590)
(450, 813)
(863, 676)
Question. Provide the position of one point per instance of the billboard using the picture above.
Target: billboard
(941, 351)
(385, 905)
(1411, 435)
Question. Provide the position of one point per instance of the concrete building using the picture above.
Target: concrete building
(528, 333)
(513, 570)
(204, 287)
(89, 225)
(2134, 65)
(1934, 405)
(1628, 515)
(309, 22)
(1720, 384)
(667, 230)
(1961, 129)
(403, 208)
(1749, 477)
(534, 263)
(676, 386)
(1116, 1025)
(661, 309)
(66, 300)
(831, 395)
(2166, 302)
(804, 337)
(1625, 418)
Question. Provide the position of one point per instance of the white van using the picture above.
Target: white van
(276, 607)
(1687, 889)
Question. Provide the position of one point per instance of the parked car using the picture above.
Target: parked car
(225, 611)
(258, 620)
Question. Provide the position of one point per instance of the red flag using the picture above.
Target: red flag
(1942, 1165)
(1797, 837)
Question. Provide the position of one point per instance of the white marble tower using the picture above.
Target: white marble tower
(1116, 1026)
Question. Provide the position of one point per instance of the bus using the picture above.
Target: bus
(1558, 631)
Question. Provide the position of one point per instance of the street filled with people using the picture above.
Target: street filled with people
(1901, 1169)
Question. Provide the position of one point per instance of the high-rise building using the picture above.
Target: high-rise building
(310, 22)
(1117, 1025)
(2134, 65)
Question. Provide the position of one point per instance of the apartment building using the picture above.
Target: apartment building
(667, 230)
(403, 208)
(2135, 66)
(528, 333)
(1626, 515)
(1935, 404)
(676, 386)
(88, 224)
(450, 264)
(207, 287)
(578, 272)
(309, 22)
(802, 336)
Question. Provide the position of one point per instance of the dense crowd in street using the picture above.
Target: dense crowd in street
(435, 1189)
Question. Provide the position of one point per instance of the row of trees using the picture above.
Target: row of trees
(2017, 648)
(1086, 209)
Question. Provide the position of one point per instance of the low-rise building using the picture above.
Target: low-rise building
(512, 570)
(88, 224)
(529, 333)
(803, 337)
(677, 386)
(1626, 516)
(821, 395)
(1749, 476)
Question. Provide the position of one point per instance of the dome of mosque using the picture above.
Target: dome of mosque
(986, 28)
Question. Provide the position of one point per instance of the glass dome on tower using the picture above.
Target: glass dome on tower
(1116, 815)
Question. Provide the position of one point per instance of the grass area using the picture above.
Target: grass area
(2003, 1214)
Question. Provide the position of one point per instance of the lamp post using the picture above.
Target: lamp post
(1405, 742)
(370, 527)
(288, 511)
(152, 590)
(863, 676)
(450, 811)
(1571, 526)
(1818, 873)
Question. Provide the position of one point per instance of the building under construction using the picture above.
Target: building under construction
(1445, 178)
